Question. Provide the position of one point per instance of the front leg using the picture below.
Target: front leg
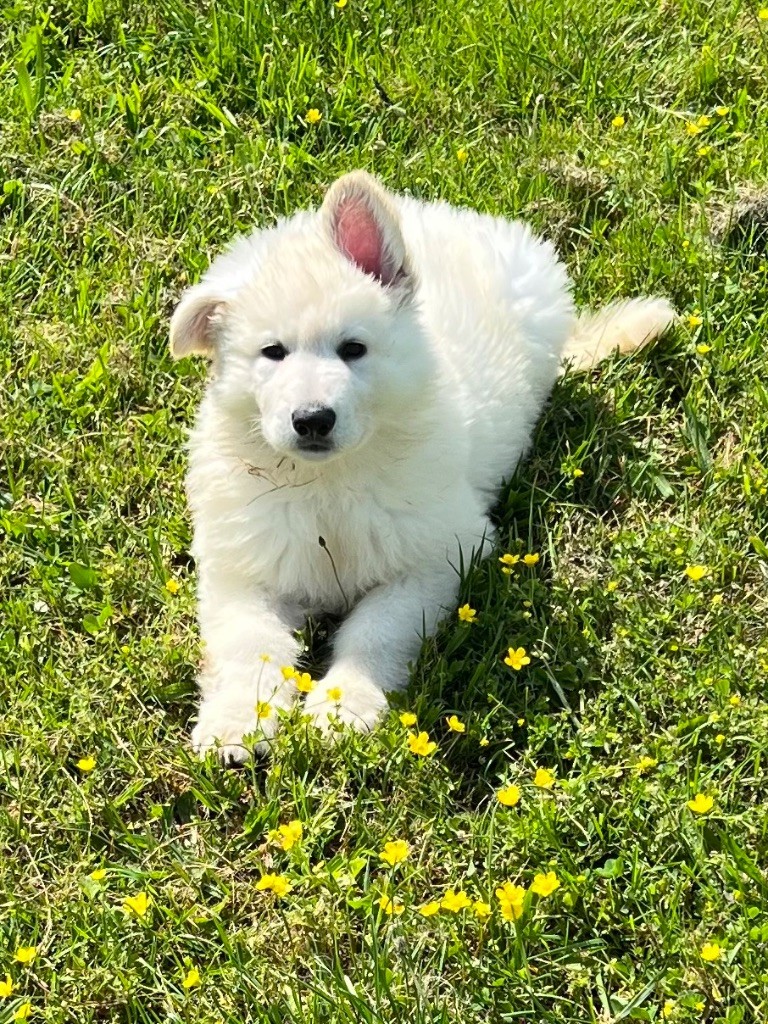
(374, 645)
(248, 639)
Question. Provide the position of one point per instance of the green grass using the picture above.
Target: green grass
(135, 140)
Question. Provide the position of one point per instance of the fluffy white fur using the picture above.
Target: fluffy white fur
(466, 320)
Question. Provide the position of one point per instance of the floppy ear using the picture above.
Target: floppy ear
(195, 322)
(363, 225)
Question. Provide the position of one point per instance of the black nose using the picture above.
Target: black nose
(313, 423)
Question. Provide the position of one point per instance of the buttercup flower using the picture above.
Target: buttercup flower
(668, 1008)
(545, 885)
(421, 744)
(720, 739)
(395, 852)
(467, 614)
(484, 741)
(734, 700)
(508, 796)
(508, 562)
(763, 14)
(263, 709)
(703, 121)
(138, 904)
(334, 693)
(455, 725)
(23, 1011)
(277, 884)
(711, 951)
(407, 718)
(692, 128)
(516, 658)
(702, 350)
(544, 778)
(98, 875)
(25, 954)
(288, 835)
(86, 764)
(618, 121)
(304, 682)
(696, 572)
(455, 900)
(722, 111)
(531, 559)
(511, 900)
(703, 150)
(480, 909)
(694, 320)
(341, 4)
(172, 586)
(390, 906)
(429, 909)
(191, 978)
(701, 804)
(461, 155)
(313, 116)
(289, 672)
(6, 987)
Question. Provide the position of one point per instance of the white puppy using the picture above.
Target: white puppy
(379, 365)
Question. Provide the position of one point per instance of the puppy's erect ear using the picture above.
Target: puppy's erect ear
(195, 322)
(363, 224)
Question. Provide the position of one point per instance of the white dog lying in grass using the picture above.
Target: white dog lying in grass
(379, 365)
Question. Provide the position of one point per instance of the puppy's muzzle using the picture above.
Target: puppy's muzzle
(313, 428)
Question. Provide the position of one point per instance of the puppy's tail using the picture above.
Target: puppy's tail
(624, 327)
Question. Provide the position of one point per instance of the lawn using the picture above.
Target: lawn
(135, 140)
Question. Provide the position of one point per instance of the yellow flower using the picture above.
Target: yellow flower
(313, 116)
(521, 722)
(429, 909)
(700, 1006)
(395, 852)
(421, 744)
(467, 614)
(722, 111)
(23, 1011)
(334, 693)
(686, 243)
(288, 835)
(702, 350)
(511, 900)
(278, 884)
(341, 4)
(455, 725)
(408, 718)
(516, 658)
(74, 114)
(545, 885)
(711, 951)
(508, 796)
(484, 741)
(138, 904)
(544, 778)
(480, 909)
(263, 709)
(99, 874)
(703, 150)
(172, 586)
(697, 572)
(86, 764)
(6, 987)
(763, 14)
(694, 320)
(611, 585)
(720, 739)
(668, 1009)
(390, 906)
(703, 121)
(266, 658)
(508, 561)
(618, 121)
(455, 900)
(577, 473)
(734, 700)
(645, 764)
(531, 559)
(692, 128)
(701, 804)
(304, 682)
(289, 672)
(191, 978)
(461, 155)
(25, 954)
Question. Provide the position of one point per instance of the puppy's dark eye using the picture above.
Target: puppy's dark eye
(351, 350)
(275, 352)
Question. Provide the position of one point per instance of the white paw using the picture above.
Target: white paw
(348, 698)
(226, 718)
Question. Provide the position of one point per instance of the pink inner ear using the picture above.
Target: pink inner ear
(358, 234)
